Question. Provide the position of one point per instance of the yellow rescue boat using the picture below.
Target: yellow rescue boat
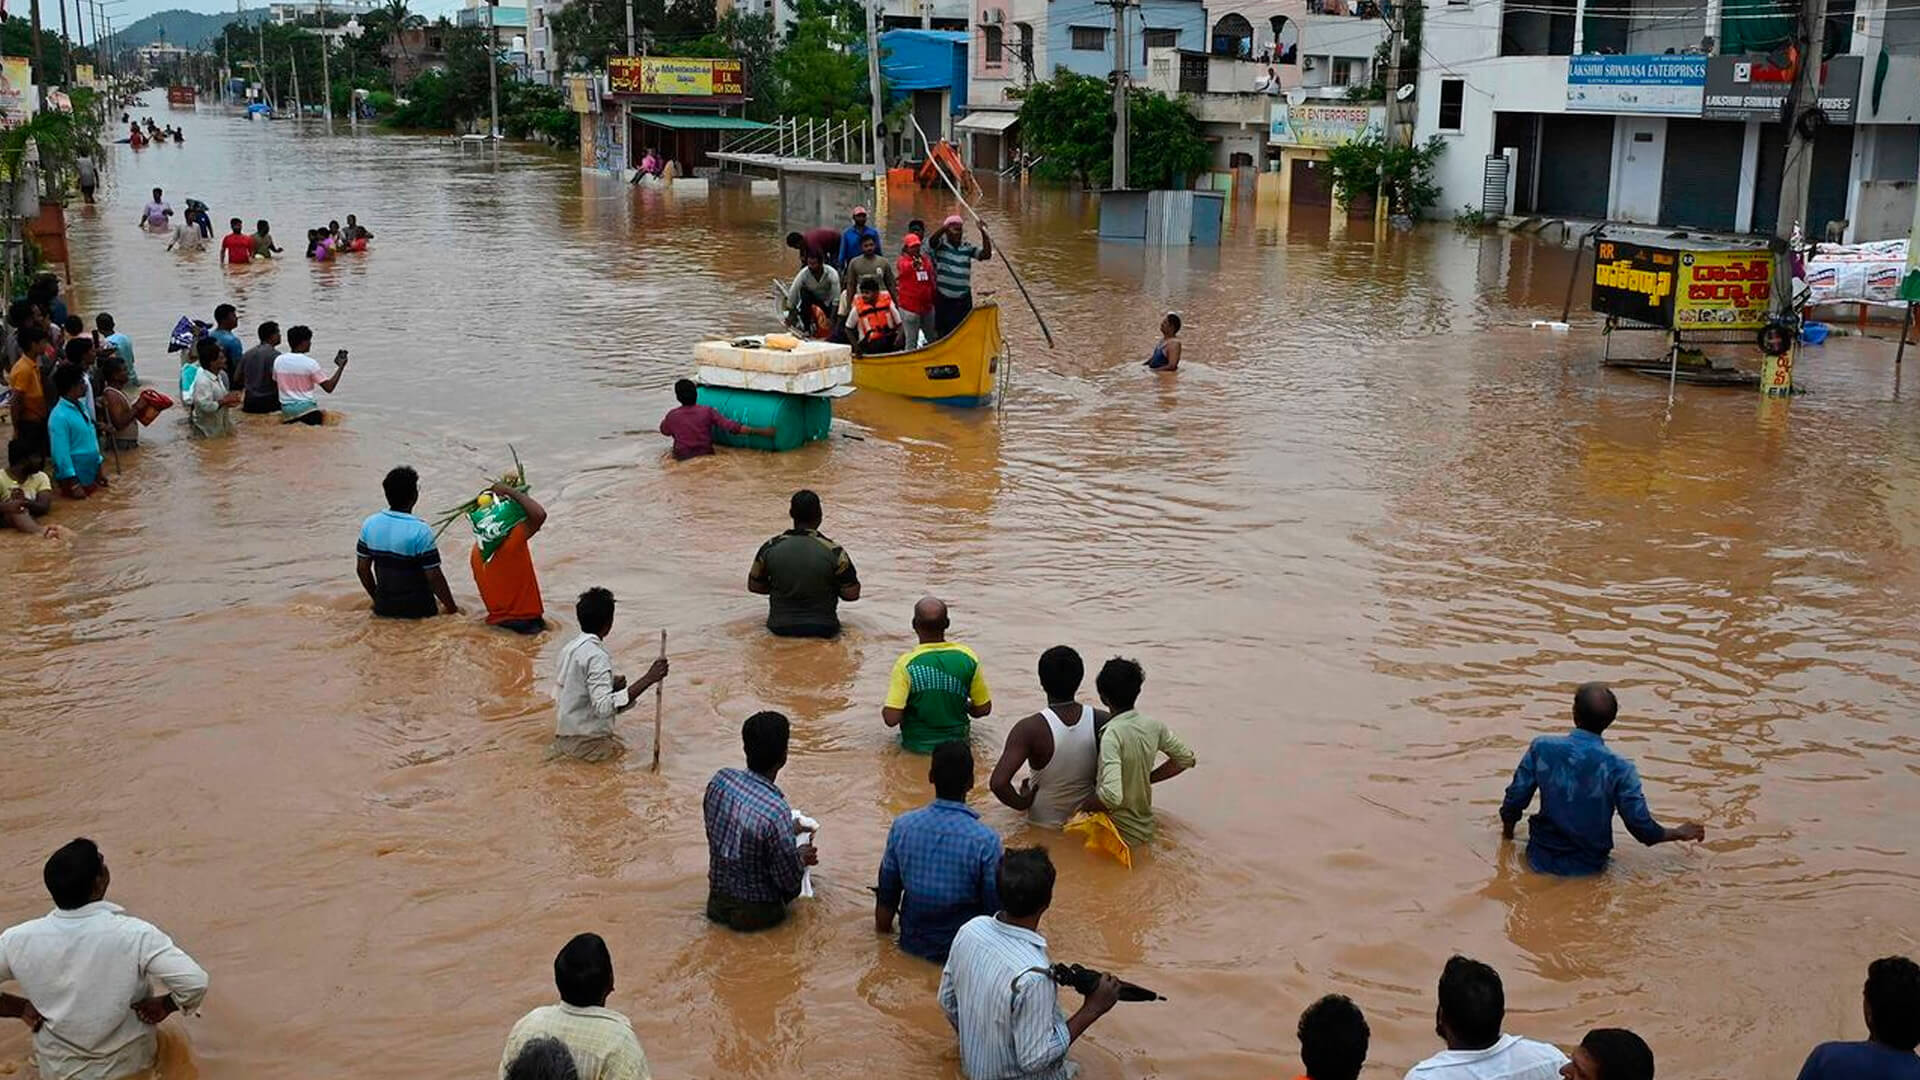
(959, 369)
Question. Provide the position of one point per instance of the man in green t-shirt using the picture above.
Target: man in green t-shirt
(803, 575)
(937, 689)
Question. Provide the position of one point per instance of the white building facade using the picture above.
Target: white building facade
(1664, 112)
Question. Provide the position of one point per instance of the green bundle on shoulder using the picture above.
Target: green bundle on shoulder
(492, 518)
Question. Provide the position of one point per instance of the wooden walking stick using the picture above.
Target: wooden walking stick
(657, 706)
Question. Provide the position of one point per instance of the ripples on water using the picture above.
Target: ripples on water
(1365, 543)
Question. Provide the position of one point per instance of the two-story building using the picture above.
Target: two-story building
(1668, 112)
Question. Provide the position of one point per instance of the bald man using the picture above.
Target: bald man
(1582, 784)
(937, 689)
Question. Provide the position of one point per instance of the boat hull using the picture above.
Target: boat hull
(957, 370)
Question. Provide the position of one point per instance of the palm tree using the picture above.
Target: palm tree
(395, 17)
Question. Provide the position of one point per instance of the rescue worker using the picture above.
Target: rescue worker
(874, 323)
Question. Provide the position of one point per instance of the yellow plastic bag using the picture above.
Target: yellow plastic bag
(1101, 835)
(782, 342)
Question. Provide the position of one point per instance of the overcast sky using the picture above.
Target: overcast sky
(132, 10)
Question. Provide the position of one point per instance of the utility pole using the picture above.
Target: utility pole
(1397, 25)
(79, 28)
(629, 27)
(1122, 76)
(1797, 168)
(293, 61)
(66, 45)
(39, 55)
(493, 71)
(326, 71)
(873, 92)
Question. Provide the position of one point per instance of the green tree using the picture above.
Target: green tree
(1359, 167)
(1166, 149)
(819, 72)
(1067, 122)
(16, 39)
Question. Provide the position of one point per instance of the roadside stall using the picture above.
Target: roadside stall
(1698, 292)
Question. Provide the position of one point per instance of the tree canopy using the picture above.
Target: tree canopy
(1067, 122)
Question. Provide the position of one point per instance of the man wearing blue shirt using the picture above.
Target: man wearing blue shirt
(850, 239)
(1892, 1005)
(225, 319)
(944, 860)
(1582, 784)
(396, 560)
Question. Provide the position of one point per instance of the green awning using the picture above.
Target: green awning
(698, 122)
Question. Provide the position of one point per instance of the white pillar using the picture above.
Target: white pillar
(1749, 176)
(1579, 27)
(1713, 23)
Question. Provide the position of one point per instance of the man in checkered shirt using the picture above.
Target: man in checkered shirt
(754, 867)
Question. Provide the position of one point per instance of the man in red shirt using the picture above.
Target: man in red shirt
(824, 240)
(691, 426)
(915, 297)
(237, 247)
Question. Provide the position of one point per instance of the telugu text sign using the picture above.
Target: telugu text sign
(1323, 125)
(1754, 88)
(674, 77)
(1632, 281)
(1654, 85)
(17, 98)
(1723, 290)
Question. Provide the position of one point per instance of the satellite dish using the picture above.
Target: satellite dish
(1403, 93)
(1296, 96)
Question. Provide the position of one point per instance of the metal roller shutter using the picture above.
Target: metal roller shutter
(1700, 180)
(1576, 157)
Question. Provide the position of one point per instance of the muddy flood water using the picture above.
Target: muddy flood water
(1366, 543)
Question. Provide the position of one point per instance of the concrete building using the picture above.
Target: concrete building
(1664, 112)
(544, 63)
(297, 12)
(509, 23)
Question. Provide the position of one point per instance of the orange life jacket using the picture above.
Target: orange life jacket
(872, 318)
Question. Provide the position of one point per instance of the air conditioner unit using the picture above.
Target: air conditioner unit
(993, 17)
(1307, 64)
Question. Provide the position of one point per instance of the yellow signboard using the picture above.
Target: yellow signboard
(578, 95)
(674, 76)
(83, 75)
(1723, 290)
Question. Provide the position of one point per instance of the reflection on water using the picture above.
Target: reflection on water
(1365, 543)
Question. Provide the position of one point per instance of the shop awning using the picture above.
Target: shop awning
(697, 122)
(987, 121)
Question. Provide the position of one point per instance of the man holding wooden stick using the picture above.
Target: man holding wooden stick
(587, 694)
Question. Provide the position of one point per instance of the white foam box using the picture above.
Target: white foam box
(806, 382)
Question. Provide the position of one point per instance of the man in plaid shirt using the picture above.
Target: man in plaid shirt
(943, 858)
(754, 867)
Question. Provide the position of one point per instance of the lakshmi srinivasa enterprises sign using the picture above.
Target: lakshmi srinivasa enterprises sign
(1655, 85)
(1755, 88)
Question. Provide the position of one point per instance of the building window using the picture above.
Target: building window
(1193, 74)
(1342, 71)
(1026, 44)
(994, 45)
(1453, 101)
(1089, 39)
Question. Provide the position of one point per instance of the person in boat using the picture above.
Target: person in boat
(851, 241)
(953, 260)
(873, 323)
(914, 273)
(823, 240)
(868, 264)
(814, 297)
(1166, 355)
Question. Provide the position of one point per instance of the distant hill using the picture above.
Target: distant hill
(189, 29)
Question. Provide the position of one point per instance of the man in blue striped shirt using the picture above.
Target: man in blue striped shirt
(953, 260)
(997, 988)
(1582, 784)
(942, 858)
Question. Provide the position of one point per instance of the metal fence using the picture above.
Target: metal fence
(813, 139)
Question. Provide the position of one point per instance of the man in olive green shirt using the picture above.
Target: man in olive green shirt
(1130, 744)
(937, 689)
(803, 575)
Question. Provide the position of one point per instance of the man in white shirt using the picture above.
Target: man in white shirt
(996, 989)
(1472, 1007)
(601, 1041)
(85, 969)
(586, 691)
(297, 375)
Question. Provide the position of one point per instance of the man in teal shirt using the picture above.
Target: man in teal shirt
(937, 689)
(1130, 745)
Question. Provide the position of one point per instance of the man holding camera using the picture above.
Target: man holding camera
(1022, 1035)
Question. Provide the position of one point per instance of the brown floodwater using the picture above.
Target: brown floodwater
(1366, 542)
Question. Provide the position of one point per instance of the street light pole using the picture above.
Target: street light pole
(326, 71)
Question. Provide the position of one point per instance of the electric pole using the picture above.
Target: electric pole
(1397, 27)
(326, 70)
(493, 75)
(1122, 76)
(66, 45)
(873, 93)
(1796, 177)
(629, 27)
(39, 55)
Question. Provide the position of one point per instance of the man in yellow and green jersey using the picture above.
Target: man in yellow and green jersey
(937, 689)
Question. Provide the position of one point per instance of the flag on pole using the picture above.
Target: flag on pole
(185, 333)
